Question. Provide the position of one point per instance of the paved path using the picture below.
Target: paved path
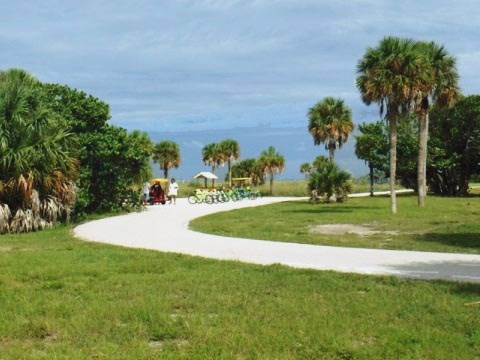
(165, 228)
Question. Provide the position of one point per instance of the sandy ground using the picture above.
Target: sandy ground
(165, 228)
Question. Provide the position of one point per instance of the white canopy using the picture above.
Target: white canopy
(205, 175)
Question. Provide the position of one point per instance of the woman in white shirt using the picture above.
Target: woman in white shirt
(173, 191)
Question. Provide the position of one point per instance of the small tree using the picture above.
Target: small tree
(306, 169)
(247, 168)
(271, 163)
(230, 151)
(212, 156)
(328, 179)
(167, 155)
(372, 146)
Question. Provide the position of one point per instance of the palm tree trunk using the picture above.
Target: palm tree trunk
(422, 157)
(370, 165)
(165, 173)
(213, 172)
(271, 183)
(229, 173)
(331, 152)
(393, 163)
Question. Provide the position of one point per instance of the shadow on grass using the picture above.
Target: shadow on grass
(467, 288)
(325, 208)
(464, 240)
(460, 271)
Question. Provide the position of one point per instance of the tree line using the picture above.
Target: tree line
(415, 85)
(60, 158)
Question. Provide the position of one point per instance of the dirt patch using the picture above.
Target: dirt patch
(347, 229)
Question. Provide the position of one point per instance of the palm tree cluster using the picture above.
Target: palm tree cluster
(217, 154)
(37, 168)
(404, 76)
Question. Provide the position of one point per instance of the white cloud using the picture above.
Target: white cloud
(219, 63)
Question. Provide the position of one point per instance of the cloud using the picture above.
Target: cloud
(199, 64)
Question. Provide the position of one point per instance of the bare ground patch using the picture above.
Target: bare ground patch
(338, 229)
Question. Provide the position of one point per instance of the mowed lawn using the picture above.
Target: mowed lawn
(61, 298)
(444, 224)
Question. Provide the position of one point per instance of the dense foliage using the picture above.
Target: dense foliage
(453, 152)
(328, 179)
(248, 168)
(37, 164)
(111, 161)
(454, 147)
(372, 146)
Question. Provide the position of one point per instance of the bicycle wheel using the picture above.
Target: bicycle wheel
(209, 199)
(193, 199)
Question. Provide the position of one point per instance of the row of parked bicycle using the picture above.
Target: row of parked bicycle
(221, 196)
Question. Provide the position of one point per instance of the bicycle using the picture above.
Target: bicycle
(198, 196)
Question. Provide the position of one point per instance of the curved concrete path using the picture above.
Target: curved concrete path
(165, 228)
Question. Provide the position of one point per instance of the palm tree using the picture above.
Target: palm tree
(37, 167)
(212, 156)
(167, 154)
(230, 152)
(327, 178)
(387, 75)
(247, 168)
(271, 162)
(306, 169)
(330, 122)
(440, 84)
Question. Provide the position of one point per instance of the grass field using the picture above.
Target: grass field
(445, 224)
(284, 187)
(61, 298)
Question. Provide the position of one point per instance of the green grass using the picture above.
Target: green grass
(444, 224)
(66, 299)
(283, 187)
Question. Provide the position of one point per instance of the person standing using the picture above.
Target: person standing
(146, 192)
(173, 191)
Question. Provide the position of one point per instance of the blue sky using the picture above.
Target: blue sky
(185, 65)
(191, 65)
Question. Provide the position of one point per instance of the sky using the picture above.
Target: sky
(196, 66)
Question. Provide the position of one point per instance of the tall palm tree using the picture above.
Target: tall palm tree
(271, 162)
(330, 122)
(440, 85)
(387, 75)
(37, 167)
(212, 156)
(167, 154)
(230, 151)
